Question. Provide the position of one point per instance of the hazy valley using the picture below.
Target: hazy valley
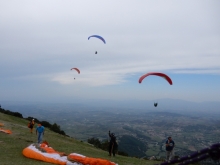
(140, 132)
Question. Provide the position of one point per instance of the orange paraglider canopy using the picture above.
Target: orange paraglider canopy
(156, 74)
(76, 70)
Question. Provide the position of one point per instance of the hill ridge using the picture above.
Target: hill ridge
(12, 145)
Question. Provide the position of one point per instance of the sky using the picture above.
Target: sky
(40, 41)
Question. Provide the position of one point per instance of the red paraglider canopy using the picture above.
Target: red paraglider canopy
(156, 74)
(76, 70)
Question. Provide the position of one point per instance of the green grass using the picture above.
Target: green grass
(11, 145)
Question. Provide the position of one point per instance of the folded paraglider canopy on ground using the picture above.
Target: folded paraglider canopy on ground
(88, 160)
(44, 152)
(6, 131)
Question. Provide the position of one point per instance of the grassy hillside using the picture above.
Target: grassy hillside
(11, 145)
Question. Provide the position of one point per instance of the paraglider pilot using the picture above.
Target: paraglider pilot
(112, 144)
(169, 148)
(31, 125)
(39, 133)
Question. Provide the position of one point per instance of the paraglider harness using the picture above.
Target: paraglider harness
(30, 125)
(115, 142)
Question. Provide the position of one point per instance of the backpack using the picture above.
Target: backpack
(30, 124)
(116, 145)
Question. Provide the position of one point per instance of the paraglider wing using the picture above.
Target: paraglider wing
(156, 74)
(97, 36)
(76, 70)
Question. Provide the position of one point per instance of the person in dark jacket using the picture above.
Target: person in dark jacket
(31, 125)
(113, 144)
(169, 148)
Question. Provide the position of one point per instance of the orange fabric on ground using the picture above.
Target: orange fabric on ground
(5, 131)
(34, 153)
(48, 149)
(47, 154)
(87, 160)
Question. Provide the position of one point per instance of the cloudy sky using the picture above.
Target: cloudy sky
(40, 41)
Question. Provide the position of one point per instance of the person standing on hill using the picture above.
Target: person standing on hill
(31, 125)
(169, 148)
(40, 133)
(113, 144)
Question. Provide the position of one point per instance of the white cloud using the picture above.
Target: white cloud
(44, 39)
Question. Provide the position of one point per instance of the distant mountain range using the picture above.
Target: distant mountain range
(167, 105)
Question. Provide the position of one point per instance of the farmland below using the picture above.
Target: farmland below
(139, 133)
